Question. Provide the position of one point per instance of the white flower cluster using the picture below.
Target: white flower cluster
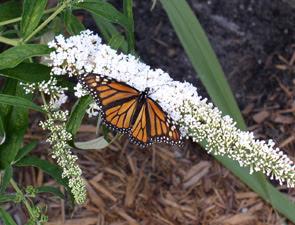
(61, 151)
(50, 87)
(58, 138)
(197, 119)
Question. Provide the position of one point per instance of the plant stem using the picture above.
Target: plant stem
(50, 18)
(17, 19)
(13, 42)
(24, 200)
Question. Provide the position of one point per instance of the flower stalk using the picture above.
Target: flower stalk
(198, 119)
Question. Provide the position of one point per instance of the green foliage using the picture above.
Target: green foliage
(49, 189)
(31, 16)
(73, 25)
(109, 32)
(15, 129)
(10, 10)
(28, 72)
(105, 10)
(6, 218)
(25, 150)
(2, 132)
(19, 102)
(47, 167)
(15, 55)
(7, 175)
(77, 114)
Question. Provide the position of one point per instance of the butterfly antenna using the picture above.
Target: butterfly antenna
(157, 87)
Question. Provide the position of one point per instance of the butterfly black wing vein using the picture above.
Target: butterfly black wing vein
(127, 110)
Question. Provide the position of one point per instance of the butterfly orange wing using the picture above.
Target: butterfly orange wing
(162, 127)
(119, 104)
(117, 100)
(154, 125)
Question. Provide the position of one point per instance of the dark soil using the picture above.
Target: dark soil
(243, 34)
(247, 37)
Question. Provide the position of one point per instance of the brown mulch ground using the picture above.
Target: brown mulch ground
(127, 185)
(164, 185)
(160, 185)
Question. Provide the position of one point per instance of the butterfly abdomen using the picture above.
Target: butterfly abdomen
(127, 110)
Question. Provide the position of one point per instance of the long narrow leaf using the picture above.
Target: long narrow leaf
(73, 25)
(109, 31)
(9, 10)
(25, 151)
(16, 125)
(28, 72)
(49, 168)
(5, 179)
(205, 62)
(128, 12)
(19, 102)
(32, 13)
(77, 114)
(6, 218)
(106, 10)
(2, 131)
(97, 143)
(15, 55)
(50, 189)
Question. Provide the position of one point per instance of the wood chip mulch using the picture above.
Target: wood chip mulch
(164, 186)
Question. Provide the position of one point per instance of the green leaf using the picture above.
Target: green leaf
(49, 168)
(25, 150)
(127, 6)
(105, 10)
(5, 179)
(108, 31)
(28, 72)
(204, 60)
(15, 55)
(73, 25)
(9, 88)
(6, 218)
(50, 189)
(10, 10)
(117, 41)
(77, 114)
(7, 198)
(2, 132)
(98, 143)
(19, 102)
(16, 125)
(31, 16)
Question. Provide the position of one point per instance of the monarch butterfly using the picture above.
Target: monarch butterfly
(127, 110)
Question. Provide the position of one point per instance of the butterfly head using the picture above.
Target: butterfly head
(144, 94)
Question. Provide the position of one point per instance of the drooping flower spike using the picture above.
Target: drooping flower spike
(196, 118)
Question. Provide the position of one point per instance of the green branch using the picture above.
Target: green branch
(17, 19)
